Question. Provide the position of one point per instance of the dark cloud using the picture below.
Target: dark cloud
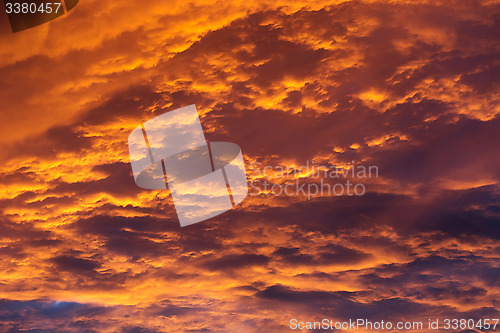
(54, 141)
(234, 261)
(336, 254)
(137, 329)
(167, 309)
(133, 236)
(45, 316)
(75, 265)
(330, 254)
(14, 251)
(125, 105)
(342, 304)
(129, 236)
(483, 81)
(434, 278)
(454, 290)
(461, 150)
(25, 234)
(286, 251)
(118, 182)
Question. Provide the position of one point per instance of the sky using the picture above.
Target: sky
(409, 87)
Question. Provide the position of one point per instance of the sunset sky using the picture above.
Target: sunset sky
(411, 87)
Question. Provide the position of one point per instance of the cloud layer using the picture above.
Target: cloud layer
(408, 86)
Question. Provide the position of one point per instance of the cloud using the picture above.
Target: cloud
(407, 86)
(76, 265)
(234, 261)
